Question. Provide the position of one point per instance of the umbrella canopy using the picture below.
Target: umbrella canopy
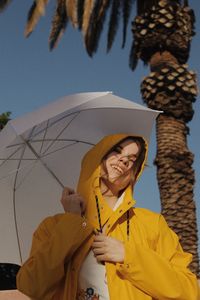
(41, 152)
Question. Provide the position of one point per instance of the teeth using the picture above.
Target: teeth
(117, 168)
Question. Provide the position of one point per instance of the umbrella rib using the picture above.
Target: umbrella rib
(53, 123)
(14, 145)
(14, 206)
(45, 132)
(46, 128)
(75, 142)
(14, 195)
(61, 148)
(8, 158)
(51, 144)
(43, 163)
(17, 169)
(16, 159)
(59, 140)
(25, 175)
(40, 140)
(36, 159)
(62, 140)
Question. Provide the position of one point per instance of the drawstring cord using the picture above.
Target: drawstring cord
(127, 224)
(99, 214)
(99, 219)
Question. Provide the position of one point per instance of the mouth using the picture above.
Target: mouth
(117, 168)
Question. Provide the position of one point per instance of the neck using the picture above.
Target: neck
(109, 192)
(108, 189)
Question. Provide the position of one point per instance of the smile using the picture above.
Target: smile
(117, 168)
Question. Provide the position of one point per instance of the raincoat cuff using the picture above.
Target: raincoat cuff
(128, 259)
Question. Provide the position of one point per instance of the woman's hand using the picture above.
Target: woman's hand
(72, 202)
(106, 248)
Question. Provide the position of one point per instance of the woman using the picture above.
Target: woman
(103, 247)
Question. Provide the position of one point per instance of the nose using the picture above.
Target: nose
(124, 160)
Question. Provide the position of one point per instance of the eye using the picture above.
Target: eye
(117, 150)
(130, 163)
(132, 160)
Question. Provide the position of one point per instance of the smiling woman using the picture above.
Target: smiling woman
(102, 247)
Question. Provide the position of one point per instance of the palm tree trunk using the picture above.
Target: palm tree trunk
(162, 35)
(174, 160)
(176, 179)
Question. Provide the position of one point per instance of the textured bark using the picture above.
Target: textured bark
(162, 39)
(170, 87)
(176, 179)
(167, 26)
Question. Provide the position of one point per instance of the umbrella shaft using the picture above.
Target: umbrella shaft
(43, 163)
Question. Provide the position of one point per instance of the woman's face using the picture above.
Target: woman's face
(119, 163)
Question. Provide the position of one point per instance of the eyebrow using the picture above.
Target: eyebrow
(118, 146)
(130, 155)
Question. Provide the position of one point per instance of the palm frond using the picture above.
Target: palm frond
(133, 59)
(88, 7)
(113, 23)
(71, 6)
(59, 24)
(4, 4)
(95, 27)
(193, 17)
(36, 11)
(4, 118)
(126, 7)
(80, 11)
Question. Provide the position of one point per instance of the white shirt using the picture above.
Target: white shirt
(92, 280)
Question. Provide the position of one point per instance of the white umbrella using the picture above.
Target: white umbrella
(41, 152)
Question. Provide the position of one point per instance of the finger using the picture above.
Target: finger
(77, 200)
(98, 251)
(98, 245)
(81, 201)
(101, 258)
(100, 238)
(95, 231)
(101, 234)
(67, 191)
(71, 191)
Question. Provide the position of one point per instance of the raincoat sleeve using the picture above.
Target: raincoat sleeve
(161, 273)
(54, 242)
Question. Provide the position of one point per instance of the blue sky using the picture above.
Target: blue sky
(31, 76)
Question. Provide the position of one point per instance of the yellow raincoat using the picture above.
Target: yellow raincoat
(155, 266)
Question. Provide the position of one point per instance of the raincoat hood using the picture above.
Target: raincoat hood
(89, 180)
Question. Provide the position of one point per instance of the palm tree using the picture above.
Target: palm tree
(172, 88)
(4, 118)
(162, 32)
